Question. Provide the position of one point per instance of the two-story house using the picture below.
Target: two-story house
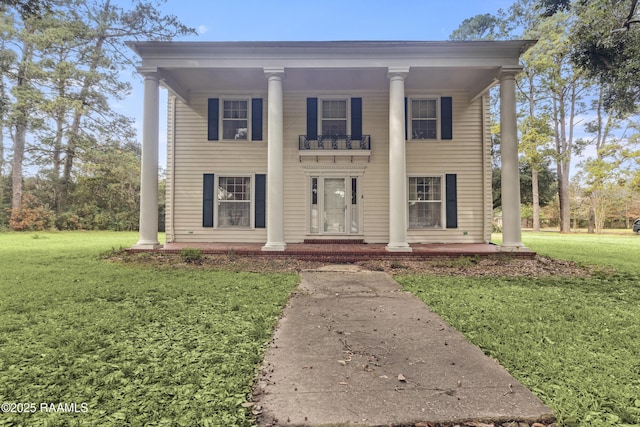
(286, 142)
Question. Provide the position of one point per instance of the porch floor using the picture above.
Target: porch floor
(348, 252)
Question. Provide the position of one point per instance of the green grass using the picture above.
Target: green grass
(574, 341)
(145, 345)
(613, 250)
(140, 346)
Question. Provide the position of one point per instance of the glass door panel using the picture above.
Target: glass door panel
(334, 205)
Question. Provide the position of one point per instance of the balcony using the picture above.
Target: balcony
(336, 146)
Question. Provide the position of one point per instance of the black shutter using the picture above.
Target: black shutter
(260, 203)
(212, 118)
(208, 192)
(406, 119)
(452, 201)
(446, 112)
(256, 119)
(356, 118)
(312, 118)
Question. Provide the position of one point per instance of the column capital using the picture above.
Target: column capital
(509, 72)
(394, 73)
(149, 72)
(274, 72)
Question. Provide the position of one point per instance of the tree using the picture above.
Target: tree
(539, 82)
(106, 193)
(566, 87)
(28, 8)
(61, 74)
(106, 28)
(480, 27)
(551, 7)
(535, 129)
(601, 169)
(606, 44)
(546, 178)
(26, 96)
(7, 58)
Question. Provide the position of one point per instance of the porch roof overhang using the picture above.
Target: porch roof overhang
(190, 67)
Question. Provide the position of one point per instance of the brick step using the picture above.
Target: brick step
(334, 241)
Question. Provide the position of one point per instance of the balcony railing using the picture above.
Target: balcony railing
(335, 142)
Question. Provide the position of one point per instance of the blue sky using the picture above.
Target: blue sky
(284, 20)
(328, 19)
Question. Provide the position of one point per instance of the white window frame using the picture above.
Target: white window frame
(443, 219)
(438, 118)
(347, 102)
(222, 119)
(252, 180)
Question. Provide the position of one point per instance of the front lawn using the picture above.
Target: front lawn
(574, 341)
(161, 344)
(136, 345)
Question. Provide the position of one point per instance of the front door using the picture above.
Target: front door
(334, 205)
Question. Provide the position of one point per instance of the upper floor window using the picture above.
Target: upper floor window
(424, 119)
(334, 117)
(235, 119)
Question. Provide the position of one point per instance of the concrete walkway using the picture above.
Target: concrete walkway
(353, 348)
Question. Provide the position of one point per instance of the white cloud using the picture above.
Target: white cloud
(202, 29)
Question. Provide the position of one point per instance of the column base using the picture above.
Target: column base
(147, 245)
(274, 247)
(513, 247)
(398, 248)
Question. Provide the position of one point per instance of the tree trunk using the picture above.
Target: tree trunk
(3, 109)
(565, 205)
(536, 197)
(535, 186)
(57, 162)
(562, 170)
(1, 160)
(592, 215)
(74, 132)
(16, 172)
(20, 135)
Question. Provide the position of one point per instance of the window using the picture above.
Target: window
(424, 119)
(425, 202)
(234, 201)
(334, 117)
(235, 119)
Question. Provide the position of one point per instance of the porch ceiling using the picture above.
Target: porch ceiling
(192, 80)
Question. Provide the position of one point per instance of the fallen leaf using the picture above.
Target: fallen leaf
(247, 404)
(401, 378)
(343, 383)
(342, 362)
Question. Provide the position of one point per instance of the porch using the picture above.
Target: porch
(344, 252)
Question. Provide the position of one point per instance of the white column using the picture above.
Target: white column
(510, 174)
(275, 160)
(397, 163)
(149, 175)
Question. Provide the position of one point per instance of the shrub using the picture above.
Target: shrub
(191, 255)
(31, 218)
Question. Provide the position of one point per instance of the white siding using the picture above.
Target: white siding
(461, 156)
(191, 155)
